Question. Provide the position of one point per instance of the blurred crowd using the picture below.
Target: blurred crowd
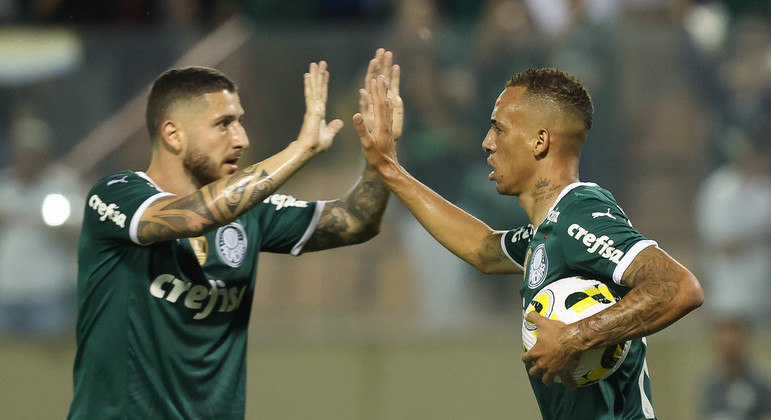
(682, 92)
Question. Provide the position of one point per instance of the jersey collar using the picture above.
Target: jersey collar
(562, 194)
(150, 180)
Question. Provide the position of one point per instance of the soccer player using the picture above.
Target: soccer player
(539, 124)
(167, 257)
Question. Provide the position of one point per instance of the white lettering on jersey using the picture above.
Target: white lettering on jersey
(601, 246)
(107, 211)
(522, 233)
(199, 297)
(552, 216)
(281, 201)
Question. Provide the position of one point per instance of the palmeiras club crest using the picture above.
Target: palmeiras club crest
(537, 267)
(231, 244)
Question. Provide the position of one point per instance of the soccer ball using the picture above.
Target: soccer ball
(569, 300)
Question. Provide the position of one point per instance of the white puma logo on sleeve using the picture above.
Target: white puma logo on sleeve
(598, 214)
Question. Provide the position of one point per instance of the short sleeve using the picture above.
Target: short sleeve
(515, 243)
(116, 203)
(287, 223)
(597, 238)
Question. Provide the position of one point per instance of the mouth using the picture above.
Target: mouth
(492, 173)
(232, 163)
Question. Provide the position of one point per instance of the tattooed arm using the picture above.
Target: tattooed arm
(226, 199)
(357, 217)
(663, 291)
(222, 201)
(353, 219)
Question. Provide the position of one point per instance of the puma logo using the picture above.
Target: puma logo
(115, 181)
(598, 214)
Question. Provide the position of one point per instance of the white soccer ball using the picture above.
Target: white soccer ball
(569, 300)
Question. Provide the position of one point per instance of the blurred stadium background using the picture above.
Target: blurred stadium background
(397, 328)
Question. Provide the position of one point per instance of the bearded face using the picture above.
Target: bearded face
(202, 168)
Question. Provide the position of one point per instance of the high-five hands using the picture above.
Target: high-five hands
(315, 133)
(377, 144)
(382, 64)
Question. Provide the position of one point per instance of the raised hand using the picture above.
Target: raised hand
(377, 142)
(315, 133)
(383, 65)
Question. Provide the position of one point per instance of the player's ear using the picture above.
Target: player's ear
(171, 135)
(541, 143)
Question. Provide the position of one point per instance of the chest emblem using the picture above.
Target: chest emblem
(200, 248)
(231, 244)
(537, 267)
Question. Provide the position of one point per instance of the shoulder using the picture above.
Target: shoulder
(589, 200)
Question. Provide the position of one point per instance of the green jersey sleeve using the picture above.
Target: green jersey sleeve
(597, 237)
(515, 242)
(116, 203)
(287, 223)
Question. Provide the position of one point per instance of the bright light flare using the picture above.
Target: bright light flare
(56, 209)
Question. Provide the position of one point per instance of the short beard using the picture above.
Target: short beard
(203, 170)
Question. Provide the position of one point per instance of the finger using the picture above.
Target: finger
(388, 62)
(364, 100)
(528, 357)
(534, 317)
(396, 72)
(371, 73)
(335, 125)
(380, 102)
(548, 378)
(568, 381)
(307, 86)
(361, 128)
(325, 85)
(535, 372)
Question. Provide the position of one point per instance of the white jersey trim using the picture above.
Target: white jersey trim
(629, 257)
(647, 407)
(503, 246)
(563, 193)
(138, 215)
(311, 228)
(134, 226)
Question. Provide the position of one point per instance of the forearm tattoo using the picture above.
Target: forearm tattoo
(354, 218)
(655, 280)
(213, 205)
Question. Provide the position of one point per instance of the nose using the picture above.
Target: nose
(240, 139)
(488, 144)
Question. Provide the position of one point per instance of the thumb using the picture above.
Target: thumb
(335, 125)
(361, 127)
(534, 317)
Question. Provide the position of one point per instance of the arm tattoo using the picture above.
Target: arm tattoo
(492, 249)
(213, 205)
(354, 218)
(655, 279)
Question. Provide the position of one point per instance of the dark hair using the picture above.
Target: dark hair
(181, 84)
(557, 86)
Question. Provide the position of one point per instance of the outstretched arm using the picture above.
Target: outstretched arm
(225, 200)
(663, 291)
(459, 232)
(356, 217)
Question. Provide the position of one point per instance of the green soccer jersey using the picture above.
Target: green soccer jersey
(162, 328)
(585, 233)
